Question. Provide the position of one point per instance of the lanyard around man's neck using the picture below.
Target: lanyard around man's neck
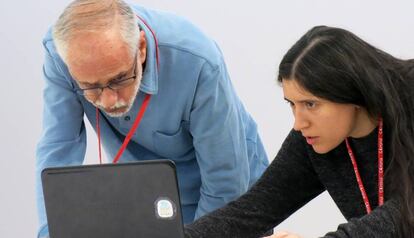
(139, 115)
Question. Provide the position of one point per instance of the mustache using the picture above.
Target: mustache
(117, 105)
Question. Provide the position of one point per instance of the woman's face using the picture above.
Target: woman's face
(323, 123)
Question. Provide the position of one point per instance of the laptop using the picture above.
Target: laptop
(127, 200)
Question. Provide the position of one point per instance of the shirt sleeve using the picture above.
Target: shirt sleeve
(63, 139)
(287, 184)
(381, 222)
(219, 140)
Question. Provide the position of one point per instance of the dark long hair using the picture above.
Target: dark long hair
(336, 65)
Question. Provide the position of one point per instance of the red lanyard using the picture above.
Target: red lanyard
(130, 133)
(380, 170)
(139, 115)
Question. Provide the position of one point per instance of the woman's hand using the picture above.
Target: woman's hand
(283, 234)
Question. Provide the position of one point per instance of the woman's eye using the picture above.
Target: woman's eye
(310, 104)
(290, 103)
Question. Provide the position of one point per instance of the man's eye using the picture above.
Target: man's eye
(119, 81)
(86, 86)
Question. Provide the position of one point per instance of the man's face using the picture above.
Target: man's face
(101, 59)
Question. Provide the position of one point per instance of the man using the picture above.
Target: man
(105, 54)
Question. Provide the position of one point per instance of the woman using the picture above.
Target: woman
(353, 136)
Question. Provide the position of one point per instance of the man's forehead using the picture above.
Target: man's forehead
(88, 46)
(94, 68)
(96, 43)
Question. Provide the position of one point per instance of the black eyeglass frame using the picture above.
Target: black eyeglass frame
(114, 85)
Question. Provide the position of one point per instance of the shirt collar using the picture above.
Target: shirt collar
(149, 82)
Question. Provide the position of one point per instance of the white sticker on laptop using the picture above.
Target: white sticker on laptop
(165, 208)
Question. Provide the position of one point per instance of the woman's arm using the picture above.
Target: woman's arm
(287, 184)
(382, 222)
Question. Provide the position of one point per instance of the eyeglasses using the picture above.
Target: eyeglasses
(115, 85)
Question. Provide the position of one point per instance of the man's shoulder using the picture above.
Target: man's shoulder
(177, 35)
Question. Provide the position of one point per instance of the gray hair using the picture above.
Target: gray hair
(95, 16)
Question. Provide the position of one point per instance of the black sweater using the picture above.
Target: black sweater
(296, 176)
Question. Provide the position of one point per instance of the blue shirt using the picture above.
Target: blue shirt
(194, 118)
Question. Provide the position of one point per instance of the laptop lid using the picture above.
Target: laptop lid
(127, 200)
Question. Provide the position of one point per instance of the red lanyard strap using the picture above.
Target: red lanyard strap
(140, 113)
(380, 170)
(380, 164)
(98, 129)
(134, 127)
(130, 133)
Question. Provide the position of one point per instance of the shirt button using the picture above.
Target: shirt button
(127, 118)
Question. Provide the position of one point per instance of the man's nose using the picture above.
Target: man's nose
(108, 98)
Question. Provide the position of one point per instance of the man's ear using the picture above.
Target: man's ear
(142, 47)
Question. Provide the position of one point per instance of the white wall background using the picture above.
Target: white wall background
(253, 35)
